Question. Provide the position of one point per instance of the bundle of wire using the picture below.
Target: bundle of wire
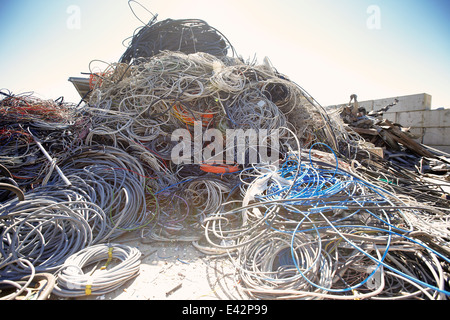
(183, 35)
(30, 109)
(115, 182)
(73, 280)
(317, 232)
(58, 125)
(45, 230)
(399, 180)
(181, 208)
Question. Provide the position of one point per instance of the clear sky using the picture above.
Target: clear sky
(332, 48)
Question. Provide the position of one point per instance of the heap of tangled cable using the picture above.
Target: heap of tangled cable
(311, 226)
(314, 231)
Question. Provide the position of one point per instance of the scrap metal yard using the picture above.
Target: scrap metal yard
(188, 173)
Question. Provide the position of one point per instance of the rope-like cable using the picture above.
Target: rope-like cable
(74, 280)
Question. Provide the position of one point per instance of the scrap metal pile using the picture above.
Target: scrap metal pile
(326, 220)
(397, 142)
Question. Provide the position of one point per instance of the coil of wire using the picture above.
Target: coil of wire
(74, 281)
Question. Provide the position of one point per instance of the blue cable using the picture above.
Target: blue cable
(321, 184)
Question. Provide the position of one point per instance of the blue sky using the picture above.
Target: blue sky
(325, 46)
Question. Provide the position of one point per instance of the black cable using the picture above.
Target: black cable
(184, 35)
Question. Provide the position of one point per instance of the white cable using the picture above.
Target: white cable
(74, 281)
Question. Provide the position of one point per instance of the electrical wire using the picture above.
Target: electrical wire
(74, 280)
(323, 218)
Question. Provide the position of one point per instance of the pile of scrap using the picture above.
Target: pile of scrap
(393, 158)
(390, 140)
(326, 218)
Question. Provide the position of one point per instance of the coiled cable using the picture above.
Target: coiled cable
(74, 281)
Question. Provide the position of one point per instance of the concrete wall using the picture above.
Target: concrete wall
(431, 126)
